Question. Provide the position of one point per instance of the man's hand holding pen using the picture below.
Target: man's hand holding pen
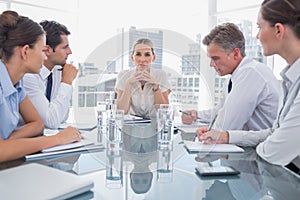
(209, 136)
(189, 116)
(212, 136)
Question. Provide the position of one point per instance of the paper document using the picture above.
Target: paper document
(68, 146)
(65, 152)
(198, 147)
(132, 119)
(86, 127)
(80, 126)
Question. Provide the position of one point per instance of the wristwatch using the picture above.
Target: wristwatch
(155, 89)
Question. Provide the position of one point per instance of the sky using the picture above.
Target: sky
(101, 22)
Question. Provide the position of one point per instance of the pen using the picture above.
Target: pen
(183, 112)
(187, 113)
(212, 123)
(62, 66)
(79, 133)
(210, 127)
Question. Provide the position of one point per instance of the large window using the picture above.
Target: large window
(244, 13)
(101, 33)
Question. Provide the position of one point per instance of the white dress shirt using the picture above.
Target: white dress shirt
(56, 111)
(283, 140)
(253, 101)
(142, 101)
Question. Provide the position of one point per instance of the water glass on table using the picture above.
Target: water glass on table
(114, 168)
(115, 126)
(165, 128)
(164, 165)
(101, 120)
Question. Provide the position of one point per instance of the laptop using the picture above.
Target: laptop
(35, 181)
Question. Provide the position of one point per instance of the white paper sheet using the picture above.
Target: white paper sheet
(197, 147)
(68, 146)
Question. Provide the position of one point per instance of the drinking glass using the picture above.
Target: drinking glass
(114, 168)
(165, 129)
(164, 165)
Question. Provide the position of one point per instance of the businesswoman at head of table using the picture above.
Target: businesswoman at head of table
(279, 33)
(139, 90)
(22, 45)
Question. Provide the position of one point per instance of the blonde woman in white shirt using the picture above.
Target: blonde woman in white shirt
(140, 89)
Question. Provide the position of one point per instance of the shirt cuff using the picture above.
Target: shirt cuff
(235, 137)
(202, 118)
(65, 90)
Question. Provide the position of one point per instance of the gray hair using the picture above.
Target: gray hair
(228, 36)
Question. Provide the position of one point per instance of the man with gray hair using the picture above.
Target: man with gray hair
(250, 97)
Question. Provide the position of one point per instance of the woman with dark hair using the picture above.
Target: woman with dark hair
(279, 24)
(22, 44)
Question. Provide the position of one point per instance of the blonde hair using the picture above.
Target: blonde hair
(145, 41)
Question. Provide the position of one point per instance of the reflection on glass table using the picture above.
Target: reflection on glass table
(139, 161)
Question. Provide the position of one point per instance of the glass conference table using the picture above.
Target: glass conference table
(139, 158)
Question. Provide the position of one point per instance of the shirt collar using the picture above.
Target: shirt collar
(242, 63)
(44, 72)
(6, 83)
(291, 73)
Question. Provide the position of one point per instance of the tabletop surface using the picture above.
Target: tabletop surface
(139, 178)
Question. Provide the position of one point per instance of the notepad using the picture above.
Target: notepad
(35, 181)
(198, 147)
(80, 126)
(68, 146)
(65, 152)
(132, 119)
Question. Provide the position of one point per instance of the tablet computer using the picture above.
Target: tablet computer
(216, 171)
(36, 181)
